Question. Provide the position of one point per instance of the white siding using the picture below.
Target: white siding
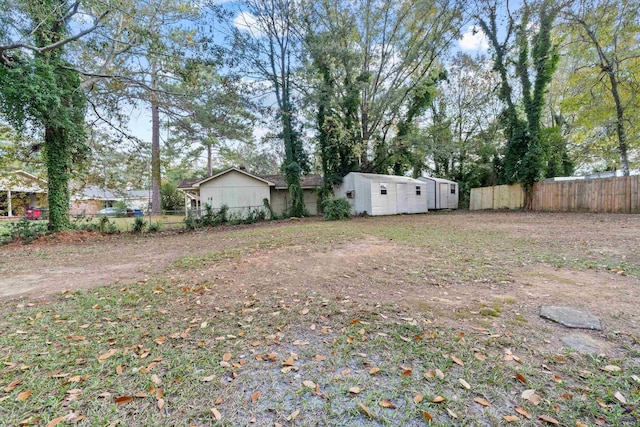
(236, 190)
(439, 191)
(400, 194)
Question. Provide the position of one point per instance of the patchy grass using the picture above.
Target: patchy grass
(189, 345)
(172, 353)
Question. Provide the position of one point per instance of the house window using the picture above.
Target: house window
(383, 188)
(453, 189)
(350, 194)
(418, 190)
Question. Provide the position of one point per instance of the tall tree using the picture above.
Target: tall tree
(38, 91)
(534, 63)
(379, 61)
(605, 33)
(270, 45)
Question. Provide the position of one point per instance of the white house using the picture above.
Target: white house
(21, 191)
(443, 194)
(242, 191)
(383, 194)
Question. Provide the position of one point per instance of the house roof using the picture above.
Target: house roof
(226, 171)
(277, 181)
(439, 180)
(188, 183)
(21, 181)
(390, 178)
(97, 193)
(306, 181)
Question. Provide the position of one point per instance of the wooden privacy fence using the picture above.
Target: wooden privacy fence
(497, 197)
(620, 194)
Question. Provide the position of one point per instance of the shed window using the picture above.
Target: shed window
(453, 189)
(418, 190)
(350, 194)
(383, 188)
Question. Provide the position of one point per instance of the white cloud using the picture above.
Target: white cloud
(473, 39)
(246, 21)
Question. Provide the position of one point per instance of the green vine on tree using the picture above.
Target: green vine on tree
(524, 156)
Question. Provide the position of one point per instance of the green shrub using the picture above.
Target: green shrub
(336, 209)
(107, 227)
(155, 227)
(139, 224)
(27, 231)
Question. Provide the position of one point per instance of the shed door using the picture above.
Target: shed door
(402, 198)
(444, 196)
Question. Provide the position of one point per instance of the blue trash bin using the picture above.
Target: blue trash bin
(137, 212)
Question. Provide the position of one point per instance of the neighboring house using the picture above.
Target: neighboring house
(375, 194)
(21, 191)
(90, 200)
(242, 191)
(443, 194)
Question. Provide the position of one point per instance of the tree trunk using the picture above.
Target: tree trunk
(620, 130)
(209, 160)
(156, 207)
(57, 160)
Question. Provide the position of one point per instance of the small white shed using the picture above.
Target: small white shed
(442, 193)
(383, 194)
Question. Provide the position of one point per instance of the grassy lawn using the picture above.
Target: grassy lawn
(213, 340)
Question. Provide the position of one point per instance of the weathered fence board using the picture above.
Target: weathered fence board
(619, 194)
(497, 197)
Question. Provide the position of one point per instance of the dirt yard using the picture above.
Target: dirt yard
(511, 260)
(466, 283)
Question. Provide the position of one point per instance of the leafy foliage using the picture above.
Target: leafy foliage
(336, 209)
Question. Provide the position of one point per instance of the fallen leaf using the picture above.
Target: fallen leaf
(226, 357)
(418, 398)
(438, 399)
(156, 379)
(548, 419)
(611, 368)
(523, 412)
(464, 384)
(429, 374)
(119, 369)
(452, 414)
(482, 401)
(208, 379)
(160, 403)
(304, 311)
(457, 361)
(12, 385)
(216, 414)
(480, 357)
(107, 355)
(365, 410)
(320, 358)
(601, 403)
(439, 374)
(406, 371)
(218, 400)
(374, 371)
(511, 418)
(24, 395)
(255, 396)
(427, 416)
(387, 404)
(54, 422)
(295, 413)
(123, 400)
(620, 397)
(579, 424)
(531, 396)
(309, 384)
(355, 390)
(521, 378)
